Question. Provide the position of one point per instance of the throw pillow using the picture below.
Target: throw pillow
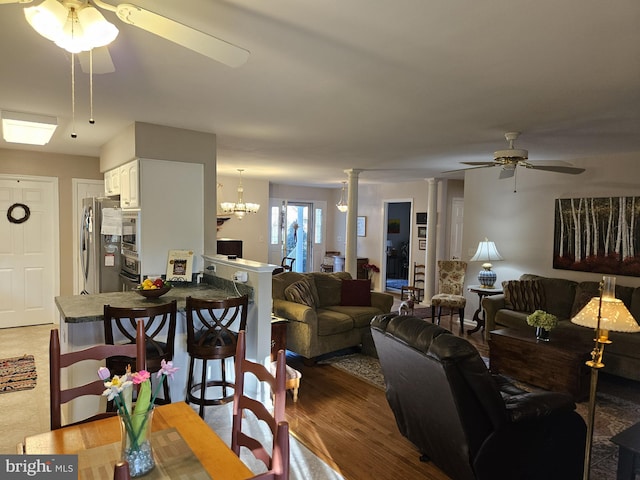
(355, 293)
(523, 295)
(300, 292)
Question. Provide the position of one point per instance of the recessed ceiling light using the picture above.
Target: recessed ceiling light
(27, 128)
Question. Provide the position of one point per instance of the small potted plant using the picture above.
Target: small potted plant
(371, 269)
(544, 323)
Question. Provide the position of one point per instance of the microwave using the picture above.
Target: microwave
(131, 233)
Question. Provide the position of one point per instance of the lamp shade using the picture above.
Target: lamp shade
(614, 316)
(486, 252)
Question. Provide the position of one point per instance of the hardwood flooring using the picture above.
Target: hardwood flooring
(348, 423)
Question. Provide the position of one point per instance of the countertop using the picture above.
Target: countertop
(89, 308)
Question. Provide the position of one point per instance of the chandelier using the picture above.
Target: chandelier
(240, 208)
(75, 26)
(342, 205)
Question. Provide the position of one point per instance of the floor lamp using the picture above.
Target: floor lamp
(604, 313)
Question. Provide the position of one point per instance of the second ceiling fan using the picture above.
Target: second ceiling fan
(511, 158)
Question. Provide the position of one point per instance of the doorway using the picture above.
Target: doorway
(29, 260)
(398, 245)
(296, 229)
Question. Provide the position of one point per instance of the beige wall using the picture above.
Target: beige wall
(65, 168)
(522, 224)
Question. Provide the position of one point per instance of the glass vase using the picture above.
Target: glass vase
(135, 430)
(542, 335)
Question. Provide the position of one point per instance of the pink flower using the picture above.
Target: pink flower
(166, 368)
(140, 377)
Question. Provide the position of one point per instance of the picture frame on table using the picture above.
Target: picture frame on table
(361, 226)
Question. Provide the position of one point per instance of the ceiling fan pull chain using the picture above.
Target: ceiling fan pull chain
(91, 120)
(73, 96)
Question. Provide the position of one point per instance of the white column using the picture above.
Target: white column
(351, 253)
(432, 221)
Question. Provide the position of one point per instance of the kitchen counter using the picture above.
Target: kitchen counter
(89, 308)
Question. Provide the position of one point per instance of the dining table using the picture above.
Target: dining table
(184, 445)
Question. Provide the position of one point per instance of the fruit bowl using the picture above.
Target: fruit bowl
(154, 292)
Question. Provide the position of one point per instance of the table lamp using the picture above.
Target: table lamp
(487, 252)
(604, 313)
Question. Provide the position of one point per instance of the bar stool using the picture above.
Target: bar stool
(158, 319)
(209, 337)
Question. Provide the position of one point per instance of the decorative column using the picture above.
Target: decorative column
(432, 222)
(351, 247)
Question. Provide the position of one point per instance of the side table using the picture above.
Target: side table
(279, 342)
(628, 442)
(479, 315)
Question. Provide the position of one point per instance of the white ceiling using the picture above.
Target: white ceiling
(404, 88)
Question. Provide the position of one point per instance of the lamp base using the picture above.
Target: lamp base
(487, 278)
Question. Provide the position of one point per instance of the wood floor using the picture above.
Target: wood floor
(348, 423)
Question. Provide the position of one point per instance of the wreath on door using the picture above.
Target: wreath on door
(24, 218)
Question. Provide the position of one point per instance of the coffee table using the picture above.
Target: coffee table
(628, 442)
(557, 365)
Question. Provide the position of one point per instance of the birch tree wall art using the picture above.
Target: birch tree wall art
(598, 235)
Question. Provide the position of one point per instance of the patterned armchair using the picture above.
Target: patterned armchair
(451, 283)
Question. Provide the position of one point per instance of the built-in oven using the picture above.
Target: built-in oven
(130, 272)
(131, 233)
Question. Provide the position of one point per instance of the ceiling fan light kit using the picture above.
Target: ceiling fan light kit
(74, 26)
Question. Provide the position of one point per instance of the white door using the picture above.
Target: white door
(82, 188)
(28, 250)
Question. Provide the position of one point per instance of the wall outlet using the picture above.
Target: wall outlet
(240, 276)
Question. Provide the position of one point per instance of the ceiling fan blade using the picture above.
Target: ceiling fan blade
(207, 45)
(557, 169)
(102, 62)
(482, 164)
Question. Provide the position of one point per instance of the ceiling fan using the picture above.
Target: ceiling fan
(512, 158)
(81, 15)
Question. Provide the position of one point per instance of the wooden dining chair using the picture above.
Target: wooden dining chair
(58, 361)
(159, 331)
(121, 471)
(212, 332)
(280, 459)
(242, 402)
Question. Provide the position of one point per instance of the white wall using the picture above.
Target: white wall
(522, 224)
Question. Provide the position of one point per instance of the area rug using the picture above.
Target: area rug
(613, 414)
(17, 373)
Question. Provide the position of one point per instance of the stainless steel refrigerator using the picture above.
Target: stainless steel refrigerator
(100, 232)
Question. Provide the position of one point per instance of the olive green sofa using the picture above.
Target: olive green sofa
(564, 298)
(336, 315)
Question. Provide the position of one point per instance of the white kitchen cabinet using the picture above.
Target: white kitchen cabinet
(130, 185)
(112, 182)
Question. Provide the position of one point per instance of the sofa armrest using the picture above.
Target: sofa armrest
(538, 404)
(382, 301)
(293, 311)
(491, 304)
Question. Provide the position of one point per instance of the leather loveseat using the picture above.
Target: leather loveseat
(470, 423)
(564, 298)
(326, 311)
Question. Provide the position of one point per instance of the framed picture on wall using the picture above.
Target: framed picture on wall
(394, 225)
(361, 226)
(422, 232)
(421, 218)
(422, 244)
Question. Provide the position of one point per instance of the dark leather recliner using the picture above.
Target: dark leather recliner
(470, 423)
